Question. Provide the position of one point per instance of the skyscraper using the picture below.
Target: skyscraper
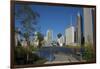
(78, 29)
(69, 35)
(49, 36)
(88, 25)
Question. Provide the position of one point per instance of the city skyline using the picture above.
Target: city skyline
(55, 18)
(70, 36)
(49, 34)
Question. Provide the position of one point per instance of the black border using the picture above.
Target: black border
(12, 8)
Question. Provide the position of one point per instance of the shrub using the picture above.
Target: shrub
(20, 55)
(89, 53)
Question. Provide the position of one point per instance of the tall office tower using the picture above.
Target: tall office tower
(88, 25)
(49, 37)
(69, 35)
(78, 29)
(94, 25)
(45, 40)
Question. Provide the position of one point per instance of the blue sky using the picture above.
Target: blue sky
(56, 18)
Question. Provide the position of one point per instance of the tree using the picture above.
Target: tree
(27, 19)
(59, 35)
(40, 38)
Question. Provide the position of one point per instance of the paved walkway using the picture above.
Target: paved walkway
(62, 58)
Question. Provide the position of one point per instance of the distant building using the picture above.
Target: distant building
(88, 25)
(24, 43)
(61, 41)
(49, 37)
(36, 40)
(69, 35)
(78, 31)
(45, 41)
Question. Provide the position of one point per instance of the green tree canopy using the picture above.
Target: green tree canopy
(27, 18)
(59, 35)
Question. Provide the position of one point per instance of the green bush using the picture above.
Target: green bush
(20, 55)
(32, 48)
(89, 53)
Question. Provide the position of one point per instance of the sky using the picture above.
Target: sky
(56, 18)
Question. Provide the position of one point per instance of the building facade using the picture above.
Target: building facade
(49, 37)
(88, 25)
(78, 32)
(69, 35)
(61, 41)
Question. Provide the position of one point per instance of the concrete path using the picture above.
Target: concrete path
(62, 58)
